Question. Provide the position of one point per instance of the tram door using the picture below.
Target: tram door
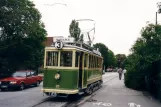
(80, 69)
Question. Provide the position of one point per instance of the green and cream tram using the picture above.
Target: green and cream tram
(71, 68)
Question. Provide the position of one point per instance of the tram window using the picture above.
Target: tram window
(52, 58)
(76, 59)
(89, 61)
(85, 60)
(66, 58)
(99, 62)
(96, 62)
(92, 61)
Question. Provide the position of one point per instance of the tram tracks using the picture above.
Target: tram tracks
(70, 103)
(39, 103)
(84, 99)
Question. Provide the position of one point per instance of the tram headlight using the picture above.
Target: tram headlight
(57, 76)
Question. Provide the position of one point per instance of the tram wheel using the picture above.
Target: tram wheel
(99, 85)
(89, 90)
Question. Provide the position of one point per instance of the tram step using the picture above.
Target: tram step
(80, 93)
(62, 95)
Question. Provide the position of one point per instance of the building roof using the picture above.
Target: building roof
(49, 41)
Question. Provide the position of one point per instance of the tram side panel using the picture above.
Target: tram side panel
(94, 71)
(93, 76)
(85, 76)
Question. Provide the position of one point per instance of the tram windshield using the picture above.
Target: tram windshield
(66, 58)
(52, 58)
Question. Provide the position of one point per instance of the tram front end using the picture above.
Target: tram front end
(60, 76)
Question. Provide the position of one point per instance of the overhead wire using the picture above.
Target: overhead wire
(78, 20)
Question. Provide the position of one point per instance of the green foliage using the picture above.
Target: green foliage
(135, 80)
(104, 51)
(143, 65)
(121, 58)
(21, 35)
(111, 59)
(108, 55)
(82, 38)
(75, 31)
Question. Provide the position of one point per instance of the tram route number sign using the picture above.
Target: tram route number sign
(59, 44)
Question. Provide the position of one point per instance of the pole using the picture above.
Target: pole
(156, 18)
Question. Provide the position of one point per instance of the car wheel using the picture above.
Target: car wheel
(22, 86)
(37, 84)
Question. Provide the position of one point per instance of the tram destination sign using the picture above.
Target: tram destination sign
(64, 40)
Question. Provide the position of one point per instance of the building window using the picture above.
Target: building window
(51, 58)
(66, 58)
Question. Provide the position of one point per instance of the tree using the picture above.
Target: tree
(143, 65)
(75, 31)
(111, 59)
(82, 38)
(21, 35)
(104, 51)
(120, 60)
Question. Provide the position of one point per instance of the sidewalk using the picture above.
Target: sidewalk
(115, 94)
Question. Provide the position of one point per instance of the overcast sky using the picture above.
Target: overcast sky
(118, 22)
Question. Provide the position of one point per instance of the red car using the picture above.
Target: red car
(20, 79)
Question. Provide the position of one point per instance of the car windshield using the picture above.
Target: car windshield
(19, 74)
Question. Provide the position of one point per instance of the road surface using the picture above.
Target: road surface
(112, 94)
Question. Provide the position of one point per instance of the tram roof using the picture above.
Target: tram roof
(78, 46)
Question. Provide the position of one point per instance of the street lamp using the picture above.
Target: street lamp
(159, 6)
(159, 11)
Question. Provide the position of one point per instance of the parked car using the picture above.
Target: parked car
(115, 70)
(103, 72)
(109, 69)
(20, 79)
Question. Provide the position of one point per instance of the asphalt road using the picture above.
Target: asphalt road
(112, 94)
(25, 98)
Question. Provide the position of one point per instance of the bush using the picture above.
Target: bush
(135, 80)
(5, 73)
(155, 79)
(160, 87)
(144, 63)
(41, 70)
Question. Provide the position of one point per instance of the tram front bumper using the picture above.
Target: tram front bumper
(61, 91)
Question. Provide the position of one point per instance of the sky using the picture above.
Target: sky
(117, 22)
